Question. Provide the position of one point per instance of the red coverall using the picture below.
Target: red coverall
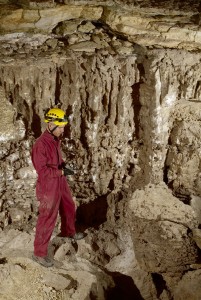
(52, 191)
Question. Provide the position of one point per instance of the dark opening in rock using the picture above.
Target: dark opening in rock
(92, 214)
(125, 288)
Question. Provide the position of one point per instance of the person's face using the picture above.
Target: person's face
(58, 132)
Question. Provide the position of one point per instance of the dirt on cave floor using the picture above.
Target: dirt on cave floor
(103, 265)
(80, 268)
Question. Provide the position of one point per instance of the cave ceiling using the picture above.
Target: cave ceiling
(169, 24)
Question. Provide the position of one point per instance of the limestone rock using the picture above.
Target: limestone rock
(160, 230)
(9, 131)
(186, 132)
(74, 279)
(86, 27)
(46, 19)
(26, 172)
(197, 236)
(84, 46)
(151, 27)
(189, 287)
(56, 281)
(17, 215)
(67, 27)
(125, 263)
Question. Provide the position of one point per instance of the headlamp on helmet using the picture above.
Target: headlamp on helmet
(57, 116)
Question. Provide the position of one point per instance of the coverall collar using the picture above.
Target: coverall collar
(50, 136)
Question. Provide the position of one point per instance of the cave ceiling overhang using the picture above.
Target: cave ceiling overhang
(168, 24)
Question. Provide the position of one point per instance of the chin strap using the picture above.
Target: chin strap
(51, 131)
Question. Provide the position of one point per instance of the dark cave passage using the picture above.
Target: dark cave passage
(92, 214)
(125, 288)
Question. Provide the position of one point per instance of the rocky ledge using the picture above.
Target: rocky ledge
(146, 23)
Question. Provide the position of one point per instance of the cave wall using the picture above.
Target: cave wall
(92, 91)
(171, 87)
(130, 99)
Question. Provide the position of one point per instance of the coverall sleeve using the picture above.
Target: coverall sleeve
(40, 162)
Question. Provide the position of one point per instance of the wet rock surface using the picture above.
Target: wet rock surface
(128, 75)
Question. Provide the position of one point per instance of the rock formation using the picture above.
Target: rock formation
(128, 75)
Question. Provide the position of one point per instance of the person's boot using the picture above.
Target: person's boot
(77, 236)
(44, 261)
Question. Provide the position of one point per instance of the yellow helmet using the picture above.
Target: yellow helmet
(57, 116)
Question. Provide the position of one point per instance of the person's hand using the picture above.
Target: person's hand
(67, 171)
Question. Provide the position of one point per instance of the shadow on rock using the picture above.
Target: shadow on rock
(92, 214)
(125, 288)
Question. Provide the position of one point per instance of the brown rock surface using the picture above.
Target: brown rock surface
(160, 230)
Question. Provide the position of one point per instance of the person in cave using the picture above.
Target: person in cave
(52, 189)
